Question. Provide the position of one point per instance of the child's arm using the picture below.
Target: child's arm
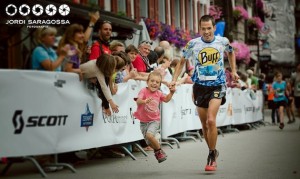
(169, 96)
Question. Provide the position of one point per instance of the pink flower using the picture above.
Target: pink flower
(242, 51)
(240, 13)
(256, 22)
(215, 11)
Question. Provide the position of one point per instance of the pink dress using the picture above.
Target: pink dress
(150, 111)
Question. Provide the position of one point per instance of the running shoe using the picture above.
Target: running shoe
(212, 161)
(281, 125)
(160, 156)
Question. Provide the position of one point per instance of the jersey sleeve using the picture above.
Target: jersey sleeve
(188, 49)
(228, 47)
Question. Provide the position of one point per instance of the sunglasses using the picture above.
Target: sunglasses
(108, 22)
(146, 42)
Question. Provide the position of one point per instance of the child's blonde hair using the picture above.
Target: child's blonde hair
(154, 73)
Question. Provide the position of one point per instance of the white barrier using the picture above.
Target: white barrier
(52, 112)
(48, 112)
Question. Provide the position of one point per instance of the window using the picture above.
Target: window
(177, 13)
(191, 18)
(162, 11)
(107, 5)
(144, 8)
(121, 7)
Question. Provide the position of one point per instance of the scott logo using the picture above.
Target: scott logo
(36, 121)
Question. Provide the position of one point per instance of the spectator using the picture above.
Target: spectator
(160, 53)
(44, 56)
(148, 112)
(167, 48)
(74, 38)
(119, 75)
(262, 85)
(116, 46)
(254, 80)
(130, 72)
(101, 46)
(153, 59)
(103, 69)
(229, 80)
(141, 62)
(243, 81)
(165, 71)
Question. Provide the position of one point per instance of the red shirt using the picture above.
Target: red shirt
(96, 52)
(139, 64)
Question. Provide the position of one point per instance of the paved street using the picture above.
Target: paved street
(267, 152)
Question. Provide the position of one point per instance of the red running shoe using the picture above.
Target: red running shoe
(160, 156)
(211, 161)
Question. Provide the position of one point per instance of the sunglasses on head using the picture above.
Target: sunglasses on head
(108, 22)
(146, 42)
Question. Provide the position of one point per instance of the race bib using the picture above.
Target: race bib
(206, 73)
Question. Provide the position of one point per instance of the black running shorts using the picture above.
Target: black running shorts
(203, 94)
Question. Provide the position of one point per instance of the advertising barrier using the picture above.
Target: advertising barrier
(53, 112)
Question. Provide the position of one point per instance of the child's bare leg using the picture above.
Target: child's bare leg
(153, 142)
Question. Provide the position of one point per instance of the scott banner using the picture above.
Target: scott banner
(53, 112)
(49, 112)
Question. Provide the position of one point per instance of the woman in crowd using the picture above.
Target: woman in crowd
(44, 56)
(102, 69)
(76, 40)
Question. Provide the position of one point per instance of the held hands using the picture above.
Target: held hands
(172, 88)
(172, 85)
(235, 76)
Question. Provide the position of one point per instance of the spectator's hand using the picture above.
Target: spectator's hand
(64, 50)
(80, 75)
(94, 17)
(93, 80)
(235, 76)
(107, 111)
(133, 74)
(114, 107)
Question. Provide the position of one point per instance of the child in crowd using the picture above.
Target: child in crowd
(148, 111)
